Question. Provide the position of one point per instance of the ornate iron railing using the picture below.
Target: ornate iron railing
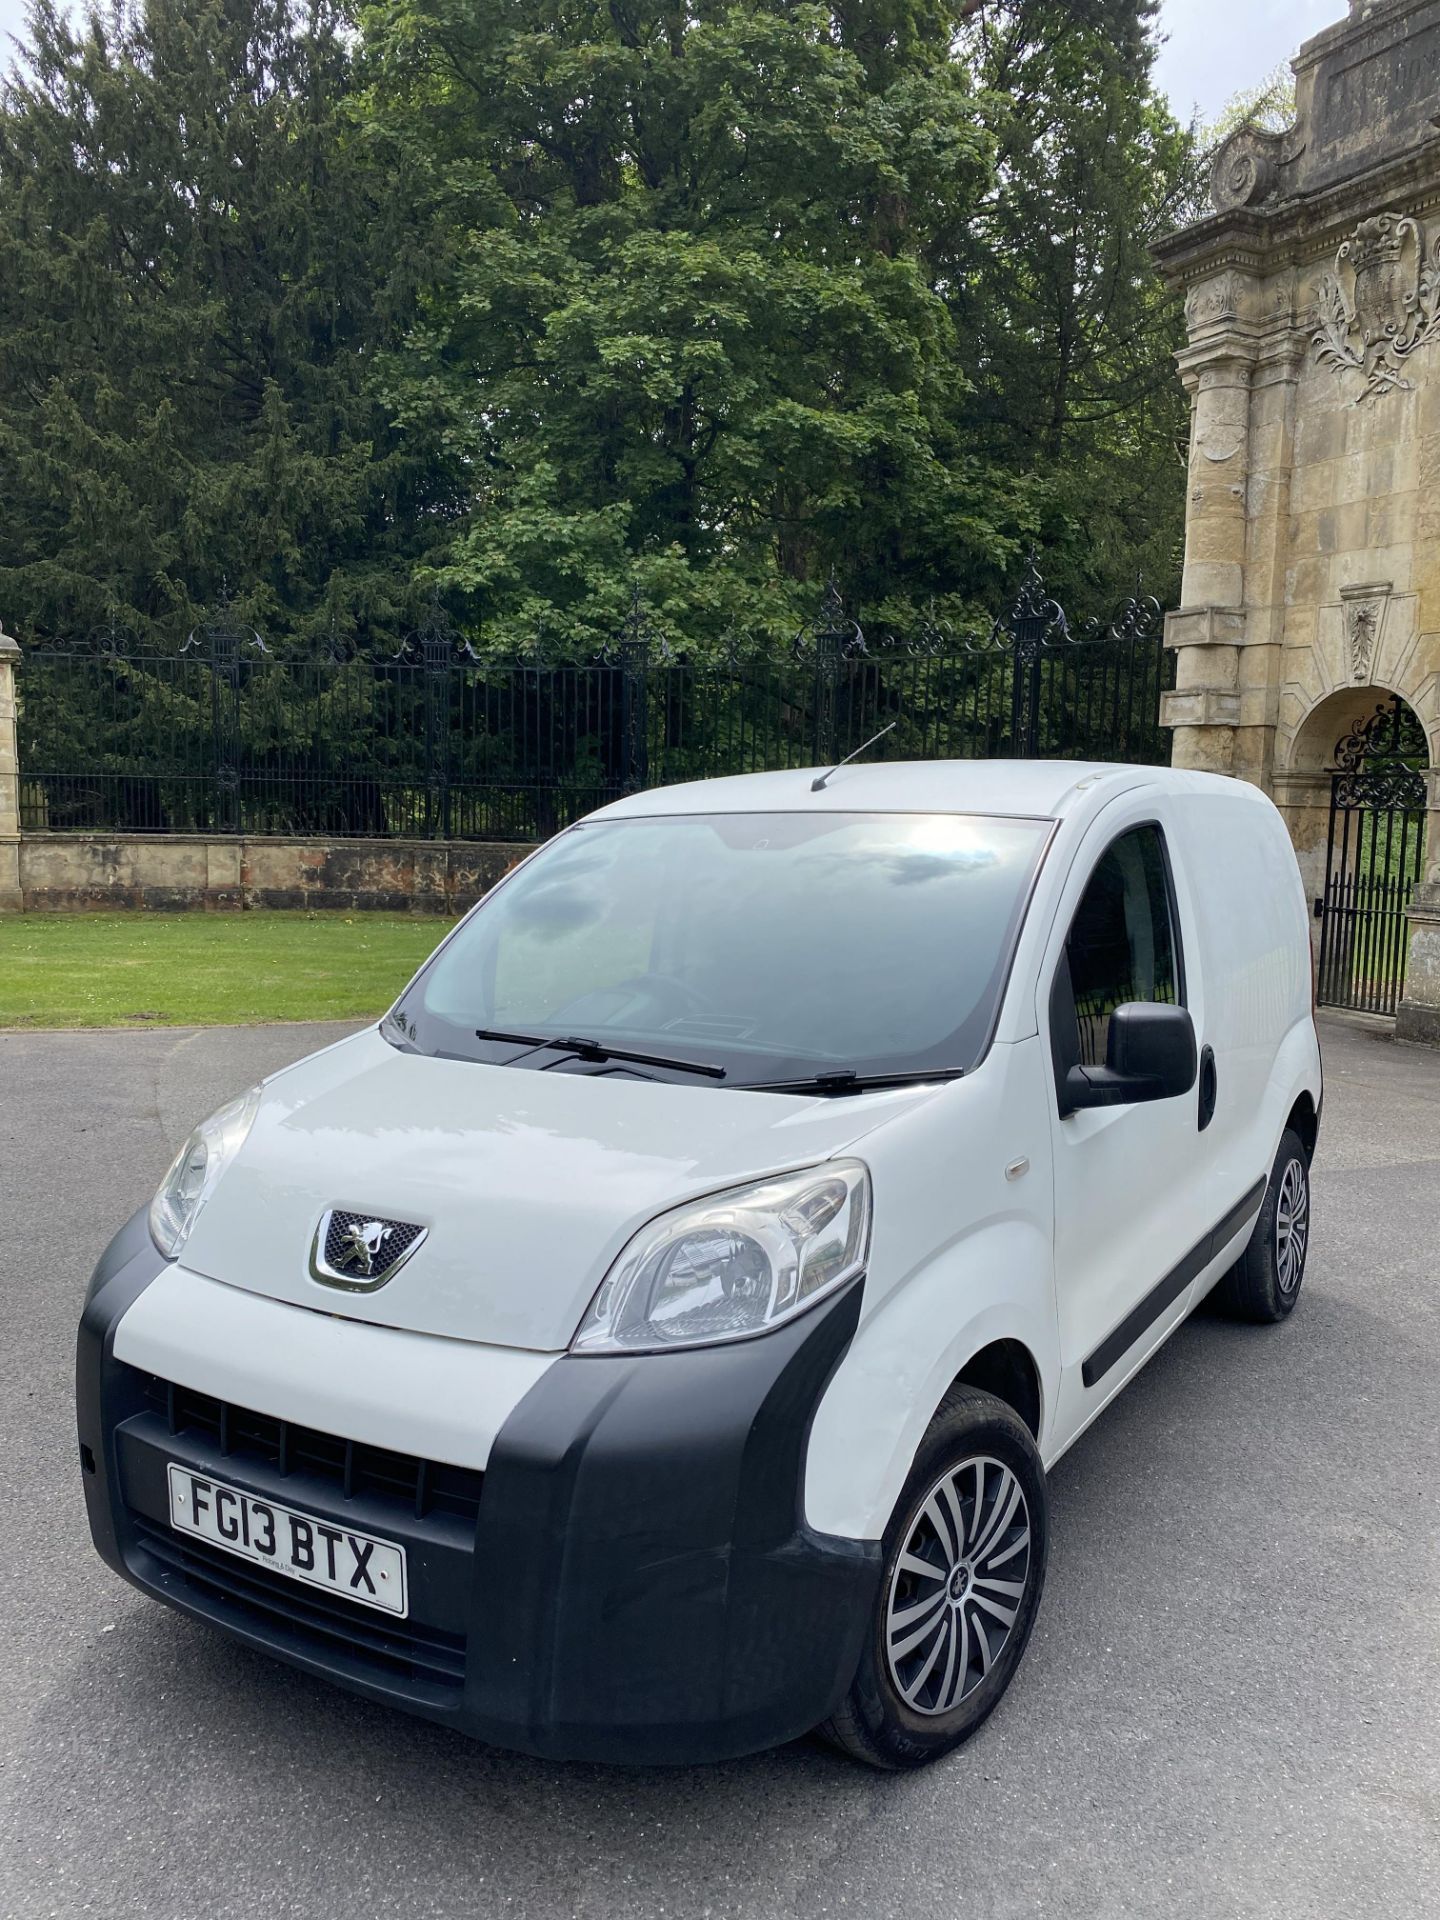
(1373, 859)
(435, 739)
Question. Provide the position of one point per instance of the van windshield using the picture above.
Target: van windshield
(752, 948)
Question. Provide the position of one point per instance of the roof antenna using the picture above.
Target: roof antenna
(818, 786)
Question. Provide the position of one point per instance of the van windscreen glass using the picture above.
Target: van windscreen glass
(773, 947)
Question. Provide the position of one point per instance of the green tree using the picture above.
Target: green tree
(683, 328)
(731, 293)
(198, 268)
(1066, 328)
(1269, 105)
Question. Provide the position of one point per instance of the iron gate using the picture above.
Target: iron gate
(1373, 860)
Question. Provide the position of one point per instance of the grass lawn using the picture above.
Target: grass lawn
(204, 969)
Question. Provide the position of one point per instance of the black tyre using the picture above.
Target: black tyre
(965, 1559)
(1264, 1283)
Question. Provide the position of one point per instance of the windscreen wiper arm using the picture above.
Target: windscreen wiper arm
(601, 1050)
(845, 1080)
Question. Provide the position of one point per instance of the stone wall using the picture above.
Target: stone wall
(9, 780)
(72, 872)
(60, 872)
(1312, 569)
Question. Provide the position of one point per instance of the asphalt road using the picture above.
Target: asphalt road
(1231, 1705)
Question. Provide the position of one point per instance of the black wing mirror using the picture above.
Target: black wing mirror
(1149, 1055)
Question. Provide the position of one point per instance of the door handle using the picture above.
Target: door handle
(1209, 1086)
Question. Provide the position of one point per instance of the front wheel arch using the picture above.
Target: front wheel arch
(994, 1288)
(1006, 1370)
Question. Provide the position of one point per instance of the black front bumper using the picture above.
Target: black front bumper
(634, 1580)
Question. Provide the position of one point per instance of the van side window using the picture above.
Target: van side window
(1122, 943)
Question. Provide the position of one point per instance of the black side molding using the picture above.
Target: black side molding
(1116, 1345)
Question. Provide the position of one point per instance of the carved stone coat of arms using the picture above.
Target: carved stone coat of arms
(1380, 304)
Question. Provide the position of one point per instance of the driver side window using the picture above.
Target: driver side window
(1123, 946)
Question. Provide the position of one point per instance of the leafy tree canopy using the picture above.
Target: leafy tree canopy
(544, 300)
(1270, 105)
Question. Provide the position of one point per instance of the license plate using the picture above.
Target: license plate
(298, 1545)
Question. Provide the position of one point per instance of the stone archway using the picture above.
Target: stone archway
(1355, 795)
(1305, 761)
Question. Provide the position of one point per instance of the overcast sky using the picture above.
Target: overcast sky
(1215, 48)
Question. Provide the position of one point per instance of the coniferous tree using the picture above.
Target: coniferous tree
(198, 270)
(1069, 330)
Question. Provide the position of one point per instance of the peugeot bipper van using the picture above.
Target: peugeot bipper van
(648, 1341)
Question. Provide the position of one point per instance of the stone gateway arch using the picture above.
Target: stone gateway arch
(1307, 640)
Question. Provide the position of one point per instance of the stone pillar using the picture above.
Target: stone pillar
(1419, 1014)
(1242, 370)
(1208, 629)
(10, 896)
(1274, 408)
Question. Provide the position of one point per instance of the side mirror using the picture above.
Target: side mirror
(1149, 1055)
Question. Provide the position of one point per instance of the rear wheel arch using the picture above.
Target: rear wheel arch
(1304, 1122)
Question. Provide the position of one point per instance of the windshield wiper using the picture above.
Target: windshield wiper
(597, 1050)
(845, 1080)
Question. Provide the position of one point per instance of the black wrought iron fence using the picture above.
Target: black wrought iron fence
(437, 740)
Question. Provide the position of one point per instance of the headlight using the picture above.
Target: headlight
(734, 1265)
(195, 1170)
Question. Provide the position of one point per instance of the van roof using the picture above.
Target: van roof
(1038, 789)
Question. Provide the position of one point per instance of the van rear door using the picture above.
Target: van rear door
(1248, 930)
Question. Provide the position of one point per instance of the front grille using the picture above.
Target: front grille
(390, 1241)
(427, 1658)
(354, 1466)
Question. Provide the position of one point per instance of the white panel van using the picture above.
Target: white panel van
(648, 1341)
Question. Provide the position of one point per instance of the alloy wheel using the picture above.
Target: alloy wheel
(958, 1584)
(1292, 1226)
